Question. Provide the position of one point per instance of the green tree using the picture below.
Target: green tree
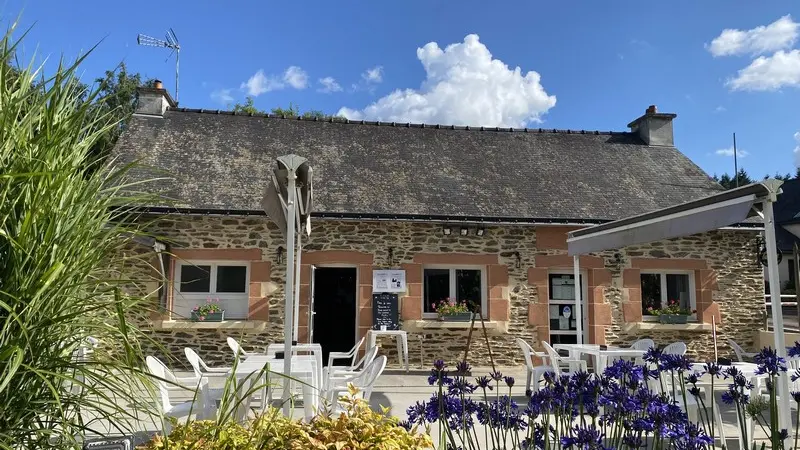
(248, 107)
(292, 111)
(116, 97)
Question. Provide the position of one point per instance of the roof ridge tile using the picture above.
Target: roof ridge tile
(378, 123)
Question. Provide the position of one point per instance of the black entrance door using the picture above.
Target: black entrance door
(334, 309)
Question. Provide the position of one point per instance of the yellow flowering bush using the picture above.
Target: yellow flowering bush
(357, 428)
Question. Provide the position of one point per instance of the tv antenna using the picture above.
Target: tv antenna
(171, 42)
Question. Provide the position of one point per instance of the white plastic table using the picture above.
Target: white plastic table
(401, 337)
(303, 368)
(601, 355)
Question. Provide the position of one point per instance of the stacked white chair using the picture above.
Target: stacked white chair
(352, 355)
(561, 364)
(534, 373)
(164, 381)
(364, 381)
(333, 374)
(741, 355)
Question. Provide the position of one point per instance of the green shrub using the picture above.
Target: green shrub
(359, 427)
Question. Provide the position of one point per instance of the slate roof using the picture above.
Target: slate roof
(220, 161)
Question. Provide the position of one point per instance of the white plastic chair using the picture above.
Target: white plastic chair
(341, 372)
(534, 373)
(364, 381)
(237, 349)
(676, 348)
(741, 355)
(202, 370)
(643, 344)
(161, 376)
(352, 355)
(559, 363)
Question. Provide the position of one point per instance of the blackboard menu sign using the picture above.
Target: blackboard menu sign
(385, 311)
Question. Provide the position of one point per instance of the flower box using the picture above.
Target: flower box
(210, 317)
(673, 318)
(456, 317)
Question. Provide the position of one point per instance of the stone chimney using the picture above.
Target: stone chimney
(654, 128)
(153, 101)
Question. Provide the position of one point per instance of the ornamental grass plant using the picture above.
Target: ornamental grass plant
(63, 226)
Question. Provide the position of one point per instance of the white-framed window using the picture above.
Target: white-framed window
(660, 287)
(463, 283)
(226, 281)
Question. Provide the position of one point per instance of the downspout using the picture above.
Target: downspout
(160, 249)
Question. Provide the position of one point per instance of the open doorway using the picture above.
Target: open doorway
(334, 309)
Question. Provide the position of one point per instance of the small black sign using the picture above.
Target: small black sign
(385, 311)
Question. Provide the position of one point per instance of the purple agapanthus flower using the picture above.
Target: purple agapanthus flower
(769, 362)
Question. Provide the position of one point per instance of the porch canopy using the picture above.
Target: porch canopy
(710, 213)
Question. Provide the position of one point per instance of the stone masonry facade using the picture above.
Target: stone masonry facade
(728, 285)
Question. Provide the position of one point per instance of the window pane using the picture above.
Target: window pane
(468, 288)
(195, 278)
(651, 292)
(231, 278)
(437, 287)
(678, 289)
(562, 287)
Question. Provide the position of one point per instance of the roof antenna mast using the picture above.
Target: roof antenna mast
(735, 162)
(171, 43)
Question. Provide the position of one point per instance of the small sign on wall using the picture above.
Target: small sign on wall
(388, 281)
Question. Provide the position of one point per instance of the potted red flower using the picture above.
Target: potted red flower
(672, 313)
(210, 311)
(451, 310)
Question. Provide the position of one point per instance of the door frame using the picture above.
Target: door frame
(584, 297)
(312, 301)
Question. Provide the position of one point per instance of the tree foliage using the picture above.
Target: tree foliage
(292, 111)
(743, 178)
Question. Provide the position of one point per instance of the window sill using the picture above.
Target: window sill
(658, 326)
(256, 325)
(492, 326)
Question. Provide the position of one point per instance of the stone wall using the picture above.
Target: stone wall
(737, 292)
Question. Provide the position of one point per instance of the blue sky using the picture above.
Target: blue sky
(599, 64)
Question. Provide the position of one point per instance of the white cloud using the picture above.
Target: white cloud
(296, 77)
(329, 85)
(769, 73)
(373, 75)
(729, 152)
(778, 35)
(222, 96)
(720, 109)
(797, 149)
(261, 83)
(464, 85)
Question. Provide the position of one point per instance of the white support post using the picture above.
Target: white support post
(297, 287)
(288, 321)
(784, 409)
(578, 298)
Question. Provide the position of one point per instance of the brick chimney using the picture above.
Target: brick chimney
(153, 101)
(654, 128)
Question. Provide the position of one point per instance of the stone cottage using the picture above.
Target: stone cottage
(474, 213)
